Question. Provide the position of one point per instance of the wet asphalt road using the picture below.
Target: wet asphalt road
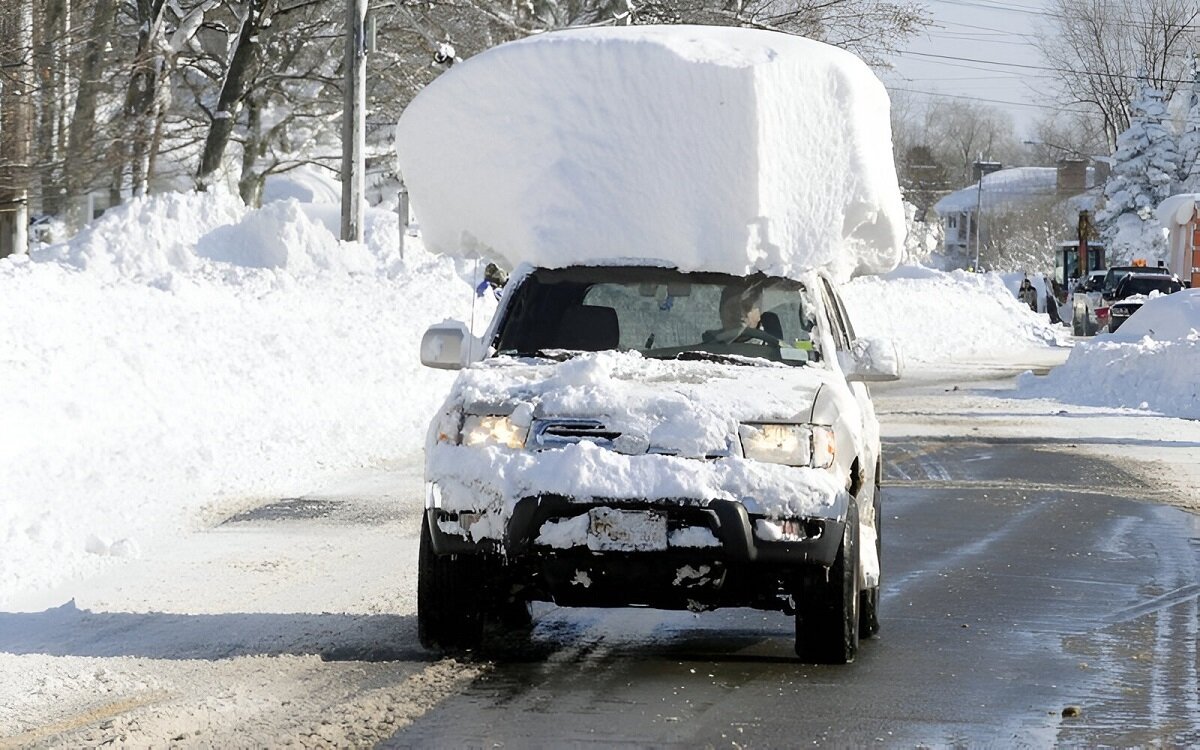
(1029, 600)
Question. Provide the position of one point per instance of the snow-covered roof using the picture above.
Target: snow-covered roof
(1006, 188)
(720, 149)
(1177, 209)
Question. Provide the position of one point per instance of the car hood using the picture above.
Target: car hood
(683, 408)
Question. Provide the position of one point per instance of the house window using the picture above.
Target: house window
(953, 222)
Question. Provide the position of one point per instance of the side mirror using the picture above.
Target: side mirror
(871, 360)
(446, 345)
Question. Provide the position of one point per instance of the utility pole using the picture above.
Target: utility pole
(354, 130)
(982, 168)
(16, 127)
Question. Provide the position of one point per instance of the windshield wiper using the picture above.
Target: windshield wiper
(557, 355)
(725, 359)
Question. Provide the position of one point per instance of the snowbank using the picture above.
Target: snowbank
(705, 148)
(1149, 363)
(935, 316)
(184, 357)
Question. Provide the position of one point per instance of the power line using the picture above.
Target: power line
(989, 101)
(1047, 68)
(1049, 14)
(968, 38)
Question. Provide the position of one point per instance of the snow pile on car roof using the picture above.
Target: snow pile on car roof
(704, 148)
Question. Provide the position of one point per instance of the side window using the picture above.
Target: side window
(840, 336)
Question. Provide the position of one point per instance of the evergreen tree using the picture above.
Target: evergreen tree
(1144, 166)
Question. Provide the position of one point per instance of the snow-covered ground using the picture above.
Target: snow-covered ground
(185, 357)
(1150, 364)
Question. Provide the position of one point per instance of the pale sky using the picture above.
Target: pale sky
(975, 50)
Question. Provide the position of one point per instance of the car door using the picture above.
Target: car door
(844, 338)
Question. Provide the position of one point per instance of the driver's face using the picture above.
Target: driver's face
(753, 316)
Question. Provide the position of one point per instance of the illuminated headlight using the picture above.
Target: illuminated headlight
(479, 431)
(788, 444)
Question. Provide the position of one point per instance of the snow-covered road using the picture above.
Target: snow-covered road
(294, 622)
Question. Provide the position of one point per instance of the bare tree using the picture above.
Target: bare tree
(16, 120)
(1078, 136)
(961, 132)
(869, 28)
(1099, 49)
(79, 176)
(255, 15)
(1023, 238)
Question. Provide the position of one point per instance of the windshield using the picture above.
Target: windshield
(1144, 285)
(1114, 276)
(661, 313)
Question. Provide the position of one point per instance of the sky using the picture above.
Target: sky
(980, 50)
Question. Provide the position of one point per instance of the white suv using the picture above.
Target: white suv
(642, 436)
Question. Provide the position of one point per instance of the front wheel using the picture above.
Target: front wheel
(449, 593)
(828, 615)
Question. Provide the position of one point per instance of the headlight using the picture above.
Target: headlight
(789, 444)
(478, 431)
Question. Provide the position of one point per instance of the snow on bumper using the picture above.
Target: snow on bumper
(553, 499)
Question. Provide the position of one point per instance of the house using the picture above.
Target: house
(1008, 190)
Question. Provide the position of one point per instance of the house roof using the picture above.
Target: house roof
(1006, 188)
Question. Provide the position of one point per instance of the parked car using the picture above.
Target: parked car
(1133, 290)
(1113, 277)
(642, 436)
(1090, 310)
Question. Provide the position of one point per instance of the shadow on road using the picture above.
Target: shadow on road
(70, 631)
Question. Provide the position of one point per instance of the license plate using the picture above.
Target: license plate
(611, 530)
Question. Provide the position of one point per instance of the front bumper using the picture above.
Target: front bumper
(729, 522)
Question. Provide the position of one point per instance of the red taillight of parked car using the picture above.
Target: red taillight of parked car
(1101, 313)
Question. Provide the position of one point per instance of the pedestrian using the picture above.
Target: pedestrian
(1028, 294)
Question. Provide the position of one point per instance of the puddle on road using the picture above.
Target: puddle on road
(295, 508)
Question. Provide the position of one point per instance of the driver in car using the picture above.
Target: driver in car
(741, 317)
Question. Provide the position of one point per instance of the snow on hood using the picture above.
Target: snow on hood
(691, 409)
(719, 149)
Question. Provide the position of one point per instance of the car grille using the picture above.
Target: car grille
(550, 433)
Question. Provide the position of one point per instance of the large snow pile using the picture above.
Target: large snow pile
(185, 354)
(936, 316)
(705, 148)
(1149, 363)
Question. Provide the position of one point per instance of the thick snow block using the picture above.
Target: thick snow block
(705, 148)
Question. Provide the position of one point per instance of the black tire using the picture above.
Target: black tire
(450, 591)
(827, 615)
(868, 604)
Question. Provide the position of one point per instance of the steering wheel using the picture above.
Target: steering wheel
(741, 335)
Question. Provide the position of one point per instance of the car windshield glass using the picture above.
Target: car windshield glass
(1115, 275)
(1140, 285)
(661, 313)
